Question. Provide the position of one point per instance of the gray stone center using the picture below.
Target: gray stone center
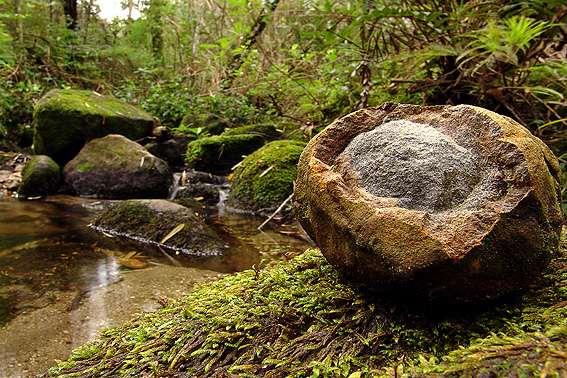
(413, 162)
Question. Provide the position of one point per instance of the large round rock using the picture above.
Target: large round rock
(453, 202)
(116, 167)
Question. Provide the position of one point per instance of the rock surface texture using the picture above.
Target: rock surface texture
(116, 167)
(65, 119)
(163, 223)
(455, 203)
(41, 176)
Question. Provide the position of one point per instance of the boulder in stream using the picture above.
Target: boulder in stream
(162, 223)
(41, 176)
(455, 203)
(115, 167)
(65, 119)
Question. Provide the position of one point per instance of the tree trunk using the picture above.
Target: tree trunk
(250, 40)
(130, 6)
(364, 70)
(20, 23)
(156, 28)
(71, 14)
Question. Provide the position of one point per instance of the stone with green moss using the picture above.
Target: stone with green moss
(219, 153)
(65, 119)
(266, 130)
(300, 318)
(116, 167)
(154, 222)
(265, 178)
(41, 176)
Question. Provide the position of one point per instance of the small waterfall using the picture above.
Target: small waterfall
(223, 195)
(177, 184)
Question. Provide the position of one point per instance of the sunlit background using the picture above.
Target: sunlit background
(110, 9)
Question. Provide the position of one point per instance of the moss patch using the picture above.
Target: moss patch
(65, 119)
(265, 178)
(299, 318)
(267, 131)
(40, 176)
(219, 153)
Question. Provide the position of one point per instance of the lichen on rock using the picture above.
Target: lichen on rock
(65, 119)
(419, 165)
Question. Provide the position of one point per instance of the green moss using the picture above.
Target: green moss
(265, 178)
(210, 124)
(65, 119)
(219, 153)
(299, 318)
(84, 167)
(268, 131)
(40, 176)
(116, 167)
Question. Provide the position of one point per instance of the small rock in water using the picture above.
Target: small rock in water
(454, 203)
(41, 176)
(158, 222)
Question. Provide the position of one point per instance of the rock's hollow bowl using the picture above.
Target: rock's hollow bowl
(453, 202)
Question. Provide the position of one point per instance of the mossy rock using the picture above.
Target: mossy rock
(115, 167)
(265, 178)
(65, 119)
(266, 130)
(218, 154)
(41, 176)
(299, 318)
(150, 221)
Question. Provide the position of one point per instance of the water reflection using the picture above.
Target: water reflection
(107, 272)
(62, 282)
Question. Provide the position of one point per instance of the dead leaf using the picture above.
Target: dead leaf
(173, 232)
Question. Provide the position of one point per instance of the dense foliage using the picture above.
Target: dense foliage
(298, 63)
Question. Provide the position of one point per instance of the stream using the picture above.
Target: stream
(61, 282)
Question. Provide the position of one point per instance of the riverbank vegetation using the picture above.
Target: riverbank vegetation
(301, 63)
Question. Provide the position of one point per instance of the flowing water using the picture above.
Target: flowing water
(61, 282)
